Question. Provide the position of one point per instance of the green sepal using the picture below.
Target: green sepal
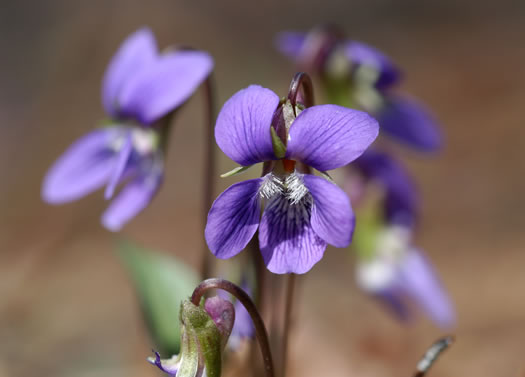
(279, 149)
(237, 170)
(202, 331)
(161, 283)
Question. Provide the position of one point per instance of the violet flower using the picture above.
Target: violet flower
(369, 77)
(401, 198)
(301, 212)
(141, 87)
(399, 274)
(391, 267)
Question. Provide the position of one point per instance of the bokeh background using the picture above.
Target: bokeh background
(66, 305)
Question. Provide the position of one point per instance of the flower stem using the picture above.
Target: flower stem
(260, 329)
(301, 80)
(209, 170)
(290, 287)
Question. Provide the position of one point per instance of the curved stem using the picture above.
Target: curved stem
(209, 170)
(302, 81)
(260, 329)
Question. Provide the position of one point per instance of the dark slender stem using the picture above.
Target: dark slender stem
(290, 287)
(260, 329)
(302, 81)
(432, 355)
(209, 170)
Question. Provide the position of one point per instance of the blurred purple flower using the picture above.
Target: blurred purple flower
(399, 273)
(302, 212)
(140, 87)
(401, 199)
(372, 76)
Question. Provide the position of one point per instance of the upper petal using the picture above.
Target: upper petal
(243, 126)
(233, 219)
(286, 238)
(419, 280)
(290, 43)
(332, 217)
(401, 197)
(133, 198)
(362, 54)
(410, 123)
(330, 136)
(84, 167)
(163, 85)
(137, 51)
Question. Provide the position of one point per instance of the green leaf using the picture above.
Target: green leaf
(161, 283)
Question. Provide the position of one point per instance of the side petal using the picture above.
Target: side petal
(401, 196)
(133, 198)
(409, 122)
(137, 51)
(330, 136)
(362, 54)
(163, 85)
(332, 217)
(419, 280)
(290, 43)
(233, 219)
(82, 169)
(243, 126)
(286, 238)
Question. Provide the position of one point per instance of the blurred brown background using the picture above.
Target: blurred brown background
(66, 306)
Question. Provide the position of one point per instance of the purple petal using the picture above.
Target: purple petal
(290, 43)
(286, 238)
(163, 85)
(82, 169)
(363, 54)
(233, 219)
(410, 123)
(170, 366)
(332, 217)
(419, 280)
(120, 166)
(138, 51)
(243, 126)
(401, 197)
(329, 136)
(133, 198)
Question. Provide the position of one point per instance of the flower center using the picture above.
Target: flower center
(291, 186)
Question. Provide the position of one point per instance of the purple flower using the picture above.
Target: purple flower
(371, 75)
(401, 199)
(301, 212)
(399, 273)
(141, 86)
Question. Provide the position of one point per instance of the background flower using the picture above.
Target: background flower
(140, 87)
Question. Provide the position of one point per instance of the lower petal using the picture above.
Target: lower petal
(82, 169)
(233, 219)
(286, 238)
(419, 280)
(135, 196)
(332, 217)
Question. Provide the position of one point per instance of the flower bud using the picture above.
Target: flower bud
(204, 333)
